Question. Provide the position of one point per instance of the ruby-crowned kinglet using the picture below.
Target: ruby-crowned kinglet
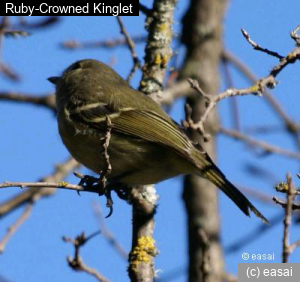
(146, 146)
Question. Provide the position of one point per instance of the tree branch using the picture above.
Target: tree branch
(76, 262)
(289, 206)
(144, 198)
(30, 195)
(131, 46)
(261, 144)
(47, 101)
(12, 230)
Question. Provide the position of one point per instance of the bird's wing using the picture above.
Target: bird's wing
(147, 125)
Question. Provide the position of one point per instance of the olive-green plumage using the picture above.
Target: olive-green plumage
(146, 146)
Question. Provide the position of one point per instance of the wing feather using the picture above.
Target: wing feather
(147, 125)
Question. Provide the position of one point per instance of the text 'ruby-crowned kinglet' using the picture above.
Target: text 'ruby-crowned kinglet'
(145, 147)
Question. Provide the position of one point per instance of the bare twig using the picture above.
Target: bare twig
(234, 104)
(76, 262)
(15, 226)
(131, 46)
(256, 89)
(294, 245)
(61, 171)
(177, 90)
(47, 100)
(253, 235)
(61, 184)
(256, 194)
(290, 191)
(107, 233)
(43, 23)
(287, 220)
(261, 144)
(295, 36)
(3, 25)
(259, 48)
(284, 204)
(290, 125)
(264, 129)
(8, 72)
(6, 30)
(146, 11)
(15, 33)
(108, 44)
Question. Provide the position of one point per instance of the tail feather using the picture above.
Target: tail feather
(207, 169)
(234, 194)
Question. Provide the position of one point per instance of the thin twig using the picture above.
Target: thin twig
(12, 230)
(107, 44)
(284, 204)
(61, 171)
(76, 262)
(253, 235)
(291, 126)
(287, 220)
(177, 90)
(43, 23)
(146, 11)
(15, 33)
(288, 206)
(294, 245)
(107, 233)
(234, 103)
(295, 36)
(61, 184)
(258, 47)
(8, 72)
(268, 148)
(47, 100)
(256, 194)
(131, 46)
(258, 88)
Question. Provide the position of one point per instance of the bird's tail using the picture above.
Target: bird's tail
(211, 172)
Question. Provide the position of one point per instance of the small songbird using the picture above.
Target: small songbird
(146, 145)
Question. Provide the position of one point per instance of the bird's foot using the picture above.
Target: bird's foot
(99, 185)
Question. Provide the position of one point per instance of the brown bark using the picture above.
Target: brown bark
(157, 54)
(202, 35)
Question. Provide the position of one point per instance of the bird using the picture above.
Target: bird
(146, 146)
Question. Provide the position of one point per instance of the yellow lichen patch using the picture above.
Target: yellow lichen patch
(166, 28)
(255, 88)
(165, 59)
(282, 186)
(158, 59)
(143, 251)
(63, 183)
(143, 83)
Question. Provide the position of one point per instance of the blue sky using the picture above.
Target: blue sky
(31, 146)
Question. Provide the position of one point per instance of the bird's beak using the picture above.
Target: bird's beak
(54, 79)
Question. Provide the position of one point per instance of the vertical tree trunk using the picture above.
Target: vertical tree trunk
(157, 54)
(202, 35)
